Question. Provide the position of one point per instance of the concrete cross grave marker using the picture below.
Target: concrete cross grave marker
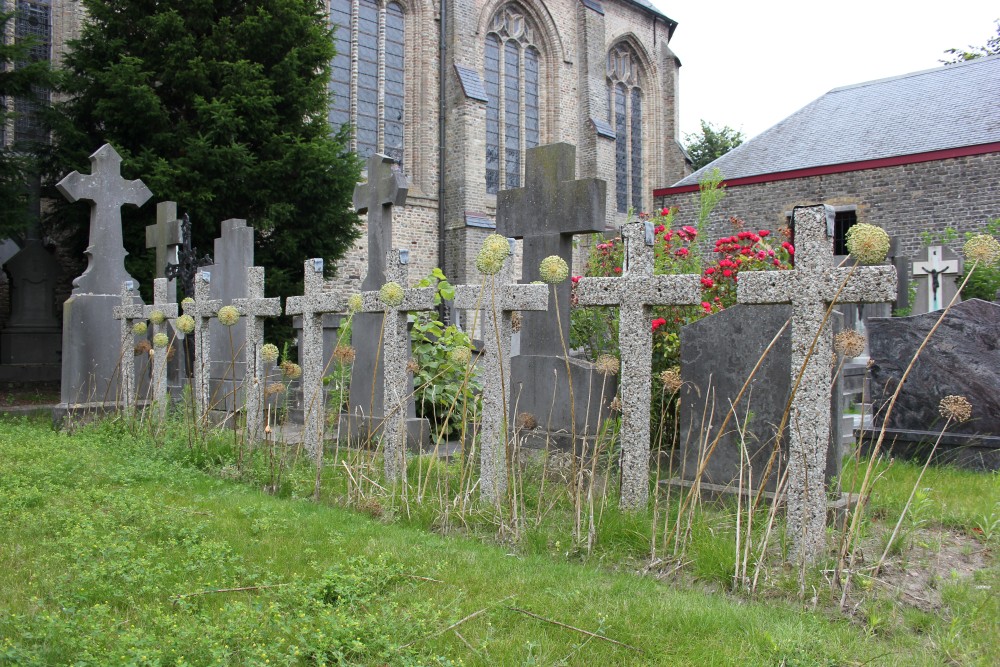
(497, 299)
(398, 382)
(811, 286)
(129, 312)
(255, 308)
(202, 309)
(315, 302)
(162, 304)
(933, 271)
(634, 293)
(88, 363)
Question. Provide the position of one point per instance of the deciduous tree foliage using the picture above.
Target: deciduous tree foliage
(710, 143)
(991, 48)
(220, 105)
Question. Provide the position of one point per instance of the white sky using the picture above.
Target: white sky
(750, 64)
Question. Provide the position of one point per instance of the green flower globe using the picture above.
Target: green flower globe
(185, 324)
(490, 262)
(868, 244)
(187, 301)
(269, 353)
(553, 269)
(391, 294)
(228, 316)
(982, 248)
(460, 356)
(355, 303)
(160, 340)
(157, 317)
(139, 328)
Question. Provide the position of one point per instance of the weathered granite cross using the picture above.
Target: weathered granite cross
(168, 307)
(312, 305)
(398, 382)
(546, 214)
(129, 312)
(165, 237)
(810, 287)
(386, 187)
(933, 268)
(202, 309)
(634, 293)
(254, 309)
(497, 299)
(108, 191)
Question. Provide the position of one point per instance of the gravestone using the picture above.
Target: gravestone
(130, 312)
(811, 286)
(936, 278)
(497, 300)
(962, 358)
(202, 310)
(718, 355)
(545, 215)
(89, 363)
(635, 292)
(233, 254)
(397, 397)
(30, 340)
(316, 303)
(254, 308)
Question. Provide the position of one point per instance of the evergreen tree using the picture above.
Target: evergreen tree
(711, 144)
(221, 106)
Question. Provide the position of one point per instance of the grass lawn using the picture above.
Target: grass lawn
(113, 552)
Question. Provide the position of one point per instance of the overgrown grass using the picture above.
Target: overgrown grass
(100, 531)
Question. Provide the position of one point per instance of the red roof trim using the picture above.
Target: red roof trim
(880, 163)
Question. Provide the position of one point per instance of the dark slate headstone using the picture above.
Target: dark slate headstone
(962, 358)
(718, 354)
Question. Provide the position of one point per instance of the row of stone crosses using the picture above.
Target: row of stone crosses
(545, 214)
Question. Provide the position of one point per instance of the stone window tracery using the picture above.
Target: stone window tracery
(625, 105)
(367, 87)
(512, 66)
(32, 21)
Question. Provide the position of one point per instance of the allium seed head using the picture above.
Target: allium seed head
(355, 303)
(982, 248)
(553, 269)
(868, 244)
(186, 301)
(157, 317)
(849, 343)
(526, 421)
(607, 364)
(274, 388)
(344, 354)
(460, 356)
(291, 370)
(412, 366)
(228, 316)
(160, 340)
(671, 379)
(956, 408)
(269, 352)
(391, 294)
(139, 328)
(616, 404)
(185, 324)
(142, 347)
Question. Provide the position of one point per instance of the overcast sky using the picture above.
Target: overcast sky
(751, 64)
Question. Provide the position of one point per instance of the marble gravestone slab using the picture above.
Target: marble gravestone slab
(718, 353)
(962, 358)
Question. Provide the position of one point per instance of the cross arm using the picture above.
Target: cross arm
(868, 284)
(76, 186)
(585, 202)
(169, 310)
(599, 291)
(258, 307)
(421, 298)
(201, 308)
(525, 297)
(676, 290)
(757, 287)
(315, 304)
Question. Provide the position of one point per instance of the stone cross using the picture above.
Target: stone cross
(202, 309)
(397, 381)
(634, 293)
(166, 236)
(546, 214)
(497, 299)
(162, 303)
(315, 302)
(108, 191)
(386, 187)
(129, 312)
(811, 286)
(254, 309)
(934, 267)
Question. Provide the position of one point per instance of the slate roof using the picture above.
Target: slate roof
(947, 107)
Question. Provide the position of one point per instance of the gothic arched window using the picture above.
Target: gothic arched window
(368, 89)
(625, 104)
(512, 86)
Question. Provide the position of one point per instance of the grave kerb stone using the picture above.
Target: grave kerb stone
(635, 292)
(255, 308)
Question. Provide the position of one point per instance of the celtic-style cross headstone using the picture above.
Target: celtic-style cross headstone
(398, 381)
(546, 214)
(386, 188)
(254, 309)
(634, 293)
(165, 237)
(810, 287)
(108, 191)
(165, 305)
(498, 298)
(202, 309)
(315, 302)
(129, 312)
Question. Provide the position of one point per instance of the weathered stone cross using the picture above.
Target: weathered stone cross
(255, 308)
(386, 187)
(202, 309)
(546, 214)
(497, 300)
(314, 303)
(108, 191)
(634, 293)
(129, 312)
(398, 382)
(165, 305)
(166, 236)
(810, 287)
